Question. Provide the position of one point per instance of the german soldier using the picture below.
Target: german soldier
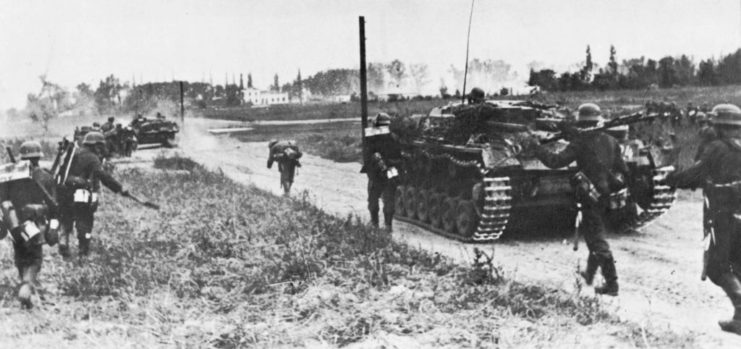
(476, 96)
(286, 153)
(29, 212)
(384, 155)
(108, 126)
(718, 171)
(79, 192)
(602, 172)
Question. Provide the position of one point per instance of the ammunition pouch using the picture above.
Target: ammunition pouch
(584, 190)
(618, 200)
(74, 182)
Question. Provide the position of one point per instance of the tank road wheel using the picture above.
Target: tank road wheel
(448, 214)
(421, 204)
(434, 206)
(466, 218)
(399, 207)
(410, 194)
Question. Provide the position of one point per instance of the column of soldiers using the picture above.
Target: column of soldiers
(33, 209)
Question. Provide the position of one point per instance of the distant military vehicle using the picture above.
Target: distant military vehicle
(159, 131)
(464, 175)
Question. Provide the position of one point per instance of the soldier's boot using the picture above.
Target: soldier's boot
(24, 295)
(374, 218)
(591, 269)
(731, 285)
(388, 219)
(610, 287)
(84, 245)
(64, 242)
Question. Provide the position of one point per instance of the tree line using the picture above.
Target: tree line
(641, 73)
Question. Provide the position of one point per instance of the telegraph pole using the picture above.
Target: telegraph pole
(363, 87)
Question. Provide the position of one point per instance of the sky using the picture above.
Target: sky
(75, 41)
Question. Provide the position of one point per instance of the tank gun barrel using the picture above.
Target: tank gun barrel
(619, 121)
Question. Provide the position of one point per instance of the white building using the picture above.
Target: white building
(258, 97)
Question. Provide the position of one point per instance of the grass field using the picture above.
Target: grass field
(227, 266)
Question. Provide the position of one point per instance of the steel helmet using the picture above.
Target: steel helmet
(93, 138)
(272, 143)
(31, 149)
(589, 112)
(477, 94)
(383, 119)
(726, 114)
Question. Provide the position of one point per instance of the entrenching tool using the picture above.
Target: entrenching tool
(144, 203)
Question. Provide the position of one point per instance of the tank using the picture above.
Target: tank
(151, 131)
(464, 176)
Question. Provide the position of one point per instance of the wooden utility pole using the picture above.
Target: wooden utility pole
(182, 103)
(363, 87)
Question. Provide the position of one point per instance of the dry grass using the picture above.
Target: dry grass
(226, 266)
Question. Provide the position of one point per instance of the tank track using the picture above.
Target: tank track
(662, 198)
(491, 220)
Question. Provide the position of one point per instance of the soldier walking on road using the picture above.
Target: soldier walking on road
(286, 153)
(29, 214)
(718, 171)
(602, 173)
(79, 192)
(384, 155)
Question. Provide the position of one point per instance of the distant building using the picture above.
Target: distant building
(259, 97)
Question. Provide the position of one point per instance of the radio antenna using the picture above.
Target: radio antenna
(468, 40)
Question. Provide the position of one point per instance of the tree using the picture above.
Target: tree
(47, 104)
(706, 75)
(667, 73)
(586, 71)
(299, 87)
(612, 65)
(545, 79)
(107, 94)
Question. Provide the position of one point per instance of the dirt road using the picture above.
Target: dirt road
(659, 268)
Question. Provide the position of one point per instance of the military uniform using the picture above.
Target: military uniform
(78, 195)
(286, 153)
(107, 126)
(384, 152)
(29, 214)
(718, 171)
(599, 158)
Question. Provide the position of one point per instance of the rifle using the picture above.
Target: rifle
(619, 121)
(61, 150)
(147, 204)
(70, 154)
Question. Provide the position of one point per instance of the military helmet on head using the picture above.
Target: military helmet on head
(110, 119)
(272, 143)
(383, 119)
(589, 112)
(31, 149)
(477, 94)
(93, 138)
(726, 114)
